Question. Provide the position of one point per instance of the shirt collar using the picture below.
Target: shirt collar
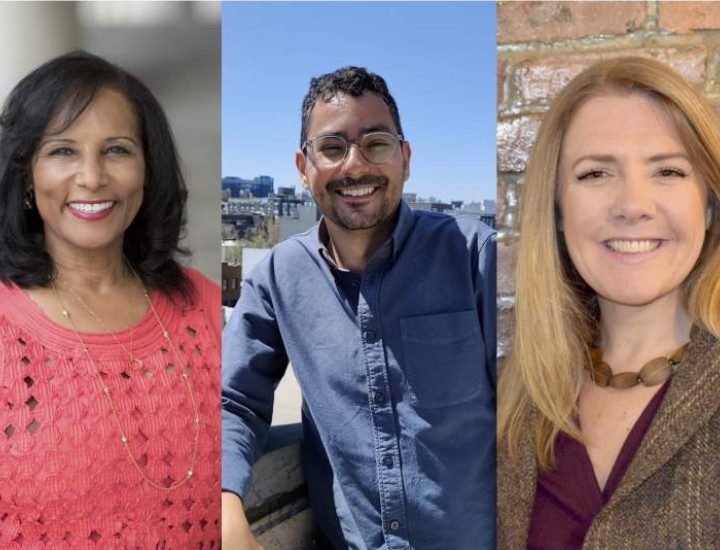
(395, 242)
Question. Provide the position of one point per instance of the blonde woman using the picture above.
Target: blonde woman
(609, 432)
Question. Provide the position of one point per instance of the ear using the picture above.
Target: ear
(406, 152)
(708, 215)
(301, 164)
(559, 225)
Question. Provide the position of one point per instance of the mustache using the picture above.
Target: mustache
(341, 183)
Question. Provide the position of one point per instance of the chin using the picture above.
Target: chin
(630, 298)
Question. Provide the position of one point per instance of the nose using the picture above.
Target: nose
(91, 172)
(354, 163)
(634, 199)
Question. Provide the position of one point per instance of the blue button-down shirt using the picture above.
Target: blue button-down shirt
(397, 371)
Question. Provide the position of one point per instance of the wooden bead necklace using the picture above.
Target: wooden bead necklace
(106, 390)
(654, 372)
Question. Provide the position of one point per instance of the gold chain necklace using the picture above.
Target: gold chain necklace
(134, 362)
(654, 372)
(106, 391)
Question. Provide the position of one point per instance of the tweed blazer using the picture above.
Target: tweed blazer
(670, 494)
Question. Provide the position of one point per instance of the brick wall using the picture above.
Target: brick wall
(542, 45)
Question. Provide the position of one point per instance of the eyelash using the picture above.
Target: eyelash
(591, 174)
(61, 152)
(672, 172)
(110, 150)
(668, 172)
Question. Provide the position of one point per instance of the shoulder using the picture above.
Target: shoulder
(287, 256)
(205, 291)
(206, 298)
(14, 302)
(468, 226)
(454, 234)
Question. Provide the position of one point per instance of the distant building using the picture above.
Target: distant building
(301, 218)
(432, 206)
(231, 279)
(260, 186)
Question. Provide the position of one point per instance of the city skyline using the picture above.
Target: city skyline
(438, 60)
(300, 190)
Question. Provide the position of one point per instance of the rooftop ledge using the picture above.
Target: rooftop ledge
(276, 504)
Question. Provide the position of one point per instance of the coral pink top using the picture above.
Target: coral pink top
(65, 479)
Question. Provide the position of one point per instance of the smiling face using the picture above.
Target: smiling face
(355, 194)
(88, 179)
(632, 204)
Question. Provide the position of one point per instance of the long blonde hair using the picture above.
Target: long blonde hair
(556, 315)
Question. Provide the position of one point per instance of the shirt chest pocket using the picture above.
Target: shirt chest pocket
(443, 358)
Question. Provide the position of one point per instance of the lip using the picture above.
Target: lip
(633, 250)
(91, 211)
(355, 189)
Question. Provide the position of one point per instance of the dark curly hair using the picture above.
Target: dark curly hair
(57, 93)
(352, 81)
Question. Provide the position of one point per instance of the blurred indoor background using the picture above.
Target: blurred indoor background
(174, 48)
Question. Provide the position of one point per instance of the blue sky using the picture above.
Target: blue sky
(438, 59)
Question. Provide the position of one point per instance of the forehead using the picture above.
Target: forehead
(108, 108)
(350, 116)
(623, 123)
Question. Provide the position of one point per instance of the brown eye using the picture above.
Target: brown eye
(60, 152)
(590, 175)
(672, 173)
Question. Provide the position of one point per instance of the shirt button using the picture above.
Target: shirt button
(394, 525)
(379, 397)
(370, 335)
(387, 461)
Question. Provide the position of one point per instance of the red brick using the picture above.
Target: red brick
(501, 67)
(541, 79)
(531, 21)
(515, 138)
(686, 17)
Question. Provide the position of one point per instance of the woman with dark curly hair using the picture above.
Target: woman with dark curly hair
(109, 348)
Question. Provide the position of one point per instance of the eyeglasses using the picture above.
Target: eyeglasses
(329, 151)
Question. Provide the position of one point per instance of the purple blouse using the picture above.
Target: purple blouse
(568, 497)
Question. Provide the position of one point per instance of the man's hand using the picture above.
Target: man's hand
(236, 533)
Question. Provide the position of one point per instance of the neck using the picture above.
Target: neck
(92, 271)
(352, 249)
(635, 334)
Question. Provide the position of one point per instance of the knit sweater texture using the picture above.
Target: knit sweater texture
(66, 480)
(669, 496)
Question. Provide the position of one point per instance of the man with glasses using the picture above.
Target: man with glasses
(388, 318)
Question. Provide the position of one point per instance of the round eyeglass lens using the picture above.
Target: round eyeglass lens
(376, 148)
(329, 149)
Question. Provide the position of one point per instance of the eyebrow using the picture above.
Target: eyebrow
(69, 140)
(612, 158)
(363, 131)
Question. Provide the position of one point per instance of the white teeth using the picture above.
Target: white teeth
(356, 191)
(633, 247)
(91, 208)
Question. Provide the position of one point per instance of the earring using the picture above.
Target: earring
(28, 199)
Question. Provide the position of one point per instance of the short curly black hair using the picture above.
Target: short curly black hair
(352, 81)
(57, 93)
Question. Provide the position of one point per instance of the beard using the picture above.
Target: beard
(359, 216)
